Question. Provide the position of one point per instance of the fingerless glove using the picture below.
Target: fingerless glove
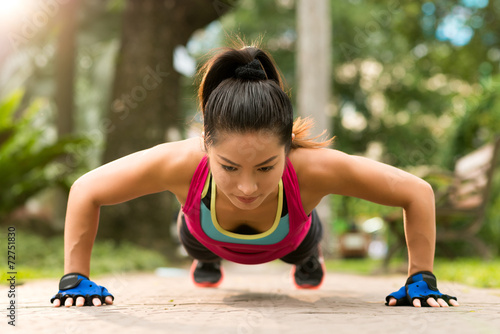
(75, 285)
(422, 285)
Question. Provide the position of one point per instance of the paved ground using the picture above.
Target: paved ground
(252, 299)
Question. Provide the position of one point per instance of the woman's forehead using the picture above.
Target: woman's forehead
(251, 138)
(248, 148)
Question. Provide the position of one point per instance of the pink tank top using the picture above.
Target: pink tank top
(299, 222)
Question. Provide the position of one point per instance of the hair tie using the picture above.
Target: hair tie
(251, 71)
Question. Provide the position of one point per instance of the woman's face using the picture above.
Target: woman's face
(247, 167)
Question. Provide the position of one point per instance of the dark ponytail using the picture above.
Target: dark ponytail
(241, 91)
(225, 64)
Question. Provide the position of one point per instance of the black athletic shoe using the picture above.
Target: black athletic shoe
(206, 274)
(309, 274)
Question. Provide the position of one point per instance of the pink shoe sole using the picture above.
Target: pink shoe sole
(309, 286)
(204, 284)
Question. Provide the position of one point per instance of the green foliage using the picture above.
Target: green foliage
(28, 161)
(392, 71)
(480, 123)
(39, 257)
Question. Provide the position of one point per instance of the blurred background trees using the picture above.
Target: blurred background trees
(413, 84)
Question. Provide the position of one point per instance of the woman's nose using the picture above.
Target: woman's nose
(247, 186)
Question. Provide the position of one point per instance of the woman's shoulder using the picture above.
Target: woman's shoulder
(179, 161)
(315, 167)
(188, 150)
(312, 161)
(185, 155)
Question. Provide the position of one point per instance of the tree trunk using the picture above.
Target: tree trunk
(314, 61)
(65, 92)
(314, 79)
(146, 96)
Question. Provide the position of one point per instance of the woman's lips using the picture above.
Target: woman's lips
(246, 200)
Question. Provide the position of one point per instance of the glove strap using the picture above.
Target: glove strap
(425, 276)
(71, 280)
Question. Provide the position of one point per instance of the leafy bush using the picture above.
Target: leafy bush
(28, 161)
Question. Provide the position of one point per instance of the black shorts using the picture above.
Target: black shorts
(308, 246)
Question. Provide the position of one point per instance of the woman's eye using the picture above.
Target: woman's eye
(266, 169)
(228, 168)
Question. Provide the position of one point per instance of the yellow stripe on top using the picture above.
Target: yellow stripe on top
(207, 184)
(237, 235)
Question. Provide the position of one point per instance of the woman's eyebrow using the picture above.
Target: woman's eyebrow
(267, 161)
(238, 165)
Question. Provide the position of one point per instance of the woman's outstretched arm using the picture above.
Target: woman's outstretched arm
(161, 168)
(334, 172)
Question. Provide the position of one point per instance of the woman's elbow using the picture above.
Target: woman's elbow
(81, 190)
(425, 192)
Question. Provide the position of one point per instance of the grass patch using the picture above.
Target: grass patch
(469, 271)
(38, 257)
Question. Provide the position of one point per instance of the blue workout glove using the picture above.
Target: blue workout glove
(422, 285)
(75, 285)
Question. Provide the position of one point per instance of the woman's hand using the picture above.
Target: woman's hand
(80, 301)
(420, 290)
(76, 289)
